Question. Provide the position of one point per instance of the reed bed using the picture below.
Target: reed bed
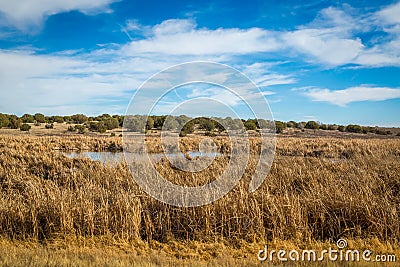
(317, 189)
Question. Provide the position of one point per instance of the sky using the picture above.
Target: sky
(329, 61)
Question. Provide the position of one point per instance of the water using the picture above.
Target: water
(116, 157)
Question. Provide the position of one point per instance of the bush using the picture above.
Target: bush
(97, 127)
(57, 119)
(312, 125)
(4, 121)
(40, 118)
(250, 125)
(341, 128)
(188, 128)
(14, 122)
(27, 118)
(80, 128)
(49, 126)
(79, 118)
(280, 126)
(111, 123)
(25, 127)
(71, 129)
(323, 127)
(353, 128)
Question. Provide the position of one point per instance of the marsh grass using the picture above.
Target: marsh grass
(318, 189)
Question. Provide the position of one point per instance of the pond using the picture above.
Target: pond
(116, 157)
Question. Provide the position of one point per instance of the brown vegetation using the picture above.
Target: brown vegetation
(318, 189)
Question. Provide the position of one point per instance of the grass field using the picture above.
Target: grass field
(56, 210)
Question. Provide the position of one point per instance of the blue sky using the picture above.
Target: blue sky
(335, 62)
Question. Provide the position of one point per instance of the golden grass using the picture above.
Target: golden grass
(318, 190)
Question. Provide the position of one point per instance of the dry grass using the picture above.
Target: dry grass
(318, 190)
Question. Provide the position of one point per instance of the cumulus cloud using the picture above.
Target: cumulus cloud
(333, 38)
(325, 45)
(352, 94)
(390, 14)
(182, 37)
(27, 13)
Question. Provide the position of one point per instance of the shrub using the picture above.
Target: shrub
(79, 118)
(111, 123)
(291, 124)
(27, 118)
(49, 126)
(80, 128)
(323, 127)
(25, 127)
(40, 118)
(14, 122)
(71, 129)
(312, 125)
(4, 121)
(57, 119)
(250, 125)
(353, 128)
(188, 128)
(280, 126)
(341, 128)
(97, 127)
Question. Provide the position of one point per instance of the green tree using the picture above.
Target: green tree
(291, 124)
(49, 126)
(25, 127)
(80, 128)
(250, 125)
(135, 123)
(149, 123)
(14, 122)
(27, 118)
(280, 126)
(170, 123)
(111, 123)
(58, 119)
(312, 125)
(323, 127)
(4, 121)
(40, 118)
(79, 118)
(353, 128)
(188, 128)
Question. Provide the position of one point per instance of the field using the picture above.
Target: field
(57, 211)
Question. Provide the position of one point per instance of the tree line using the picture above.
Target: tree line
(142, 123)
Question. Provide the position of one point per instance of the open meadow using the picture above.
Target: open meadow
(61, 211)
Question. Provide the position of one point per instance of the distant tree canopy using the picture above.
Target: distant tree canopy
(311, 125)
(141, 123)
(39, 118)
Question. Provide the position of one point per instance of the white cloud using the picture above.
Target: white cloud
(27, 13)
(324, 45)
(390, 14)
(181, 37)
(352, 94)
(332, 38)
